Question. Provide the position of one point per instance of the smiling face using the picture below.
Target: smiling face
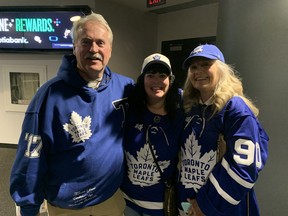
(204, 76)
(92, 50)
(156, 86)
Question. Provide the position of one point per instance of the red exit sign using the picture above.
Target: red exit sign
(153, 3)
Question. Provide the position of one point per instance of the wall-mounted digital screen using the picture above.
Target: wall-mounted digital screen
(43, 29)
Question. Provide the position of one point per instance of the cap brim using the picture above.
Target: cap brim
(160, 63)
(188, 60)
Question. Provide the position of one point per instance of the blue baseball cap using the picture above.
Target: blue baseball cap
(208, 51)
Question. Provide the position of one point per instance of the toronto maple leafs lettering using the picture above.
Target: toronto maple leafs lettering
(80, 130)
(143, 172)
(142, 169)
(199, 164)
(121, 104)
(194, 171)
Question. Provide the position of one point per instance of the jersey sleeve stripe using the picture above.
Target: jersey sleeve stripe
(221, 192)
(234, 176)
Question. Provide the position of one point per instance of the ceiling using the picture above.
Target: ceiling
(169, 6)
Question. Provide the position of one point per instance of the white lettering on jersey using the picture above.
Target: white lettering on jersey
(123, 105)
(34, 145)
(195, 168)
(80, 130)
(143, 170)
(246, 153)
(258, 156)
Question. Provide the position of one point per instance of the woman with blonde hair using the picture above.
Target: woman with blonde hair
(223, 146)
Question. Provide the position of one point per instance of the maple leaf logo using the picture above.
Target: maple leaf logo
(143, 170)
(139, 127)
(79, 130)
(195, 168)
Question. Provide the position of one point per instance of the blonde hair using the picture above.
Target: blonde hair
(229, 85)
(93, 17)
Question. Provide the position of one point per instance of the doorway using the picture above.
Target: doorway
(178, 50)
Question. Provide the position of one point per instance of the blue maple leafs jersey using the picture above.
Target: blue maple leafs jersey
(143, 185)
(70, 151)
(226, 187)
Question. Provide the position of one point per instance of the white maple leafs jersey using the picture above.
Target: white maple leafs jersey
(222, 188)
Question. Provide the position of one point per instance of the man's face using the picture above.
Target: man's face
(92, 50)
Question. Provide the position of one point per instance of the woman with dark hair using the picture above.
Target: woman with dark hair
(152, 133)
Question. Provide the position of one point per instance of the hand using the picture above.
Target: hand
(194, 210)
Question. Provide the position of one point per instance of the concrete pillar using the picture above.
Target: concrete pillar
(253, 35)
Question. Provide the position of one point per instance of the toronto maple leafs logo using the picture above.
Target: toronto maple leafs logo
(195, 168)
(143, 170)
(197, 50)
(79, 130)
(156, 57)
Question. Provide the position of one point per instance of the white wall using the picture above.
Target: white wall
(188, 23)
(11, 121)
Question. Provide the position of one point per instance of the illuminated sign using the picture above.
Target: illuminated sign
(153, 3)
(42, 29)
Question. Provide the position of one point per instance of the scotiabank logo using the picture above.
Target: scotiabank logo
(10, 40)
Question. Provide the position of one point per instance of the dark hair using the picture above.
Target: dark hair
(138, 98)
(157, 67)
